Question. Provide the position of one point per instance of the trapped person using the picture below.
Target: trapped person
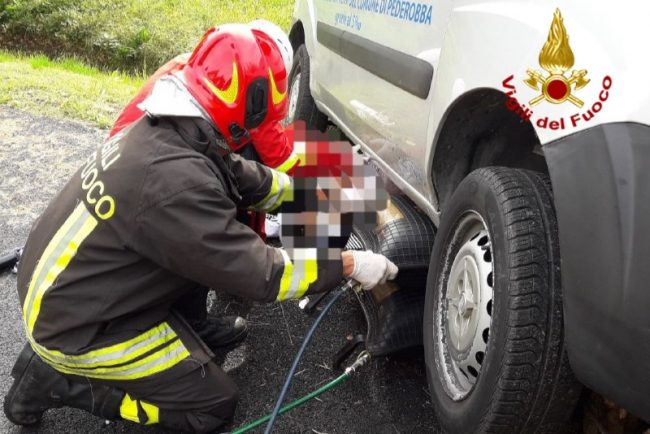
(148, 219)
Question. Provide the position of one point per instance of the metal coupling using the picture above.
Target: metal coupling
(362, 359)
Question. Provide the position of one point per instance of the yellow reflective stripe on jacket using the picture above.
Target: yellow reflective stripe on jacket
(284, 191)
(285, 281)
(273, 191)
(130, 410)
(56, 257)
(280, 190)
(302, 272)
(115, 354)
(38, 272)
(123, 356)
(286, 194)
(288, 163)
(156, 362)
(38, 275)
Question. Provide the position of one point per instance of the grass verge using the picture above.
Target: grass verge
(129, 35)
(135, 36)
(64, 88)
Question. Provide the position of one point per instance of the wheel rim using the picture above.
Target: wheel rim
(293, 98)
(465, 307)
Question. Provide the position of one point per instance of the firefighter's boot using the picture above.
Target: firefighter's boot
(38, 387)
(221, 333)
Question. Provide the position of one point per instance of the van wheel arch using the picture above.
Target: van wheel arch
(297, 35)
(479, 131)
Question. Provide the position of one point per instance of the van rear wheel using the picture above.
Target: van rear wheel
(493, 326)
(301, 104)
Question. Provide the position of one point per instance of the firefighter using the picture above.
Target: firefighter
(268, 145)
(150, 217)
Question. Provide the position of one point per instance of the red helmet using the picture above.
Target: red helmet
(238, 75)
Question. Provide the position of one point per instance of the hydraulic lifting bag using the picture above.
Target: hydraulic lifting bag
(393, 311)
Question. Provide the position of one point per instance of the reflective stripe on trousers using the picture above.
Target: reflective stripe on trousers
(138, 411)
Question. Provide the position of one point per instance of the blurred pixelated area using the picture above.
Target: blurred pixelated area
(334, 189)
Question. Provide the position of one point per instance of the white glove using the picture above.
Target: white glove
(371, 269)
(272, 225)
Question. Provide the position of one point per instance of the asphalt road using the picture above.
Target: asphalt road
(389, 395)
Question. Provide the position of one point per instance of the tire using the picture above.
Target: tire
(301, 104)
(498, 235)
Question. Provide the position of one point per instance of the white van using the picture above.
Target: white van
(521, 130)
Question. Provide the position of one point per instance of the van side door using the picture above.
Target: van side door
(375, 67)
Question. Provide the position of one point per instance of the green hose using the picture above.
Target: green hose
(363, 357)
(294, 404)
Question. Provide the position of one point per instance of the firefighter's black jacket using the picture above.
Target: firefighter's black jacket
(149, 215)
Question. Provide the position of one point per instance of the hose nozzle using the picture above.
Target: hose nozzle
(362, 359)
(351, 284)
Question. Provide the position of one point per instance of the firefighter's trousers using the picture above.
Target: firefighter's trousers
(197, 402)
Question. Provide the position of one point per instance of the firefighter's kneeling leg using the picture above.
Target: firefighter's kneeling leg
(197, 402)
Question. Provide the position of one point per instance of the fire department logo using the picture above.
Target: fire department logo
(556, 58)
(559, 84)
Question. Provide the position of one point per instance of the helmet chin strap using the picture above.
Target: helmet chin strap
(219, 140)
(222, 144)
(240, 136)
